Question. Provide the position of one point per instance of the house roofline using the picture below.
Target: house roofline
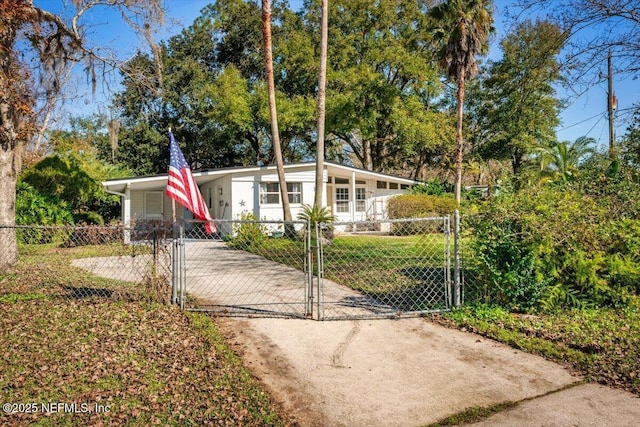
(226, 170)
(373, 173)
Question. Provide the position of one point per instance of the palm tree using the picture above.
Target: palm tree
(561, 160)
(275, 135)
(463, 28)
(322, 83)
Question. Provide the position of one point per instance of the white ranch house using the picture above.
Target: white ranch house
(351, 194)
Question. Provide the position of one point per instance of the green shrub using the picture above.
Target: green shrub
(505, 265)
(89, 218)
(247, 233)
(623, 271)
(33, 208)
(433, 187)
(66, 178)
(571, 246)
(419, 206)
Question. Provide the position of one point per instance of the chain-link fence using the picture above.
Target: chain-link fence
(258, 268)
(330, 271)
(473, 287)
(90, 262)
(255, 268)
(385, 268)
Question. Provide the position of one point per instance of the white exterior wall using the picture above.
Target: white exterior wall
(375, 205)
(242, 197)
(353, 215)
(246, 194)
(137, 205)
(228, 193)
(217, 197)
(380, 199)
(139, 212)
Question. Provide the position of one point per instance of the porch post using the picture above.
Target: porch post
(126, 214)
(325, 196)
(352, 196)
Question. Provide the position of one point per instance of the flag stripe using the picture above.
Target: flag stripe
(182, 188)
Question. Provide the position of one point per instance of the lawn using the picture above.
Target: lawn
(113, 357)
(408, 272)
(602, 344)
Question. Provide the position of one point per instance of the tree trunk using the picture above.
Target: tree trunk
(10, 160)
(459, 138)
(9, 166)
(322, 83)
(275, 135)
(366, 152)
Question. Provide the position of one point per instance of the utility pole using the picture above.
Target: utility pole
(611, 107)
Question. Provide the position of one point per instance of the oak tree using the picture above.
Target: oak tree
(51, 38)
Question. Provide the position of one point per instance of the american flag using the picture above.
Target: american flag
(182, 187)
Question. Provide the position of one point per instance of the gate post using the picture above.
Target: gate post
(320, 275)
(183, 279)
(174, 271)
(457, 287)
(447, 261)
(175, 265)
(309, 261)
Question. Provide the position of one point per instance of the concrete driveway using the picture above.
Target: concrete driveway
(403, 372)
(394, 372)
(410, 372)
(236, 281)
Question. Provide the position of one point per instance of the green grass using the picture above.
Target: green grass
(472, 415)
(149, 364)
(602, 344)
(392, 269)
(49, 272)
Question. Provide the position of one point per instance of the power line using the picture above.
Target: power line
(594, 125)
(581, 122)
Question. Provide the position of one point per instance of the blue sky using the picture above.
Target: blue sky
(585, 116)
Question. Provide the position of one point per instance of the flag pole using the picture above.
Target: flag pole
(173, 201)
(176, 278)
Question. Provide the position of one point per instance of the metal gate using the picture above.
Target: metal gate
(385, 269)
(329, 271)
(242, 268)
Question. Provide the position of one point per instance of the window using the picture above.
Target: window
(294, 190)
(269, 193)
(361, 197)
(381, 184)
(153, 205)
(393, 186)
(404, 186)
(341, 180)
(342, 200)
